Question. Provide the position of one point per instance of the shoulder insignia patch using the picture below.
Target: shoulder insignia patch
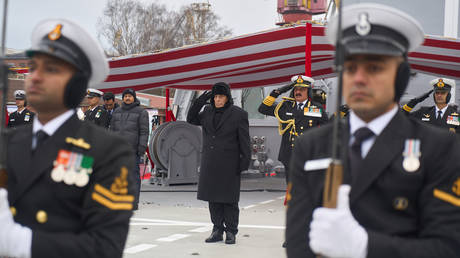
(117, 198)
(120, 185)
(456, 187)
(447, 197)
(79, 143)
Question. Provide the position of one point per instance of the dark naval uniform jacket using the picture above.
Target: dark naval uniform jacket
(292, 122)
(17, 119)
(449, 120)
(67, 220)
(225, 152)
(406, 214)
(98, 116)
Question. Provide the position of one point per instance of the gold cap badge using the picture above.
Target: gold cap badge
(440, 83)
(299, 79)
(55, 33)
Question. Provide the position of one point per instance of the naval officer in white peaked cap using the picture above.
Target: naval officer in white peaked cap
(401, 194)
(70, 190)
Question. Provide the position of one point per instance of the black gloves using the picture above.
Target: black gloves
(418, 99)
(276, 92)
(204, 97)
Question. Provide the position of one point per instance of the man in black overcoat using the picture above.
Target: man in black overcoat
(441, 114)
(70, 183)
(225, 153)
(401, 196)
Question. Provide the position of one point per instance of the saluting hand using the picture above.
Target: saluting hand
(335, 232)
(276, 92)
(419, 99)
(204, 97)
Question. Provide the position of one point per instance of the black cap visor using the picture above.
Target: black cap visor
(380, 41)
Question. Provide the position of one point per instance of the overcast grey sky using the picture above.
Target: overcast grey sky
(242, 16)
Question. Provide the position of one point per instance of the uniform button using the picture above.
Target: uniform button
(301, 127)
(301, 133)
(292, 145)
(41, 216)
(13, 211)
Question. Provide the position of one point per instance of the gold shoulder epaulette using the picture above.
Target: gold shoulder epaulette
(269, 100)
(79, 143)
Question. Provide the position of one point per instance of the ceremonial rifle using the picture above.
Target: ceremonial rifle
(334, 173)
(4, 89)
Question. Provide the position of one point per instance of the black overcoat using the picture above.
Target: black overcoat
(406, 214)
(67, 220)
(225, 152)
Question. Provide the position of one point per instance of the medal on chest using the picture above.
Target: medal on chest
(98, 114)
(452, 119)
(411, 161)
(72, 168)
(312, 111)
(27, 117)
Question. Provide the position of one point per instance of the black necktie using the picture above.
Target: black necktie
(356, 158)
(439, 115)
(299, 106)
(41, 137)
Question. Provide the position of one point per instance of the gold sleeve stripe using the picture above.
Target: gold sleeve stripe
(269, 100)
(111, 205)
(407, 108)
(111, 196)
(446, 197)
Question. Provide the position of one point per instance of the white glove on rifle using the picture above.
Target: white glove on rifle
(335, 232)
(15, 240)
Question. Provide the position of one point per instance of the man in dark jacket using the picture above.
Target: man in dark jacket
(109, 105)
(132, 123)
(22, 115)
(225, 153)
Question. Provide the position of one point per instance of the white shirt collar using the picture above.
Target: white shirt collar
(51, 127)
(442, 110)
(303, 103)
(377, 125)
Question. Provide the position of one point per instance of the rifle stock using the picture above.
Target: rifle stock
(334, 178)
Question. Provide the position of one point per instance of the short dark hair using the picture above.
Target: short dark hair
(109, 95)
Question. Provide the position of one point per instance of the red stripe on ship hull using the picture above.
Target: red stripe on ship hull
(442, 44)
(435, 57)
